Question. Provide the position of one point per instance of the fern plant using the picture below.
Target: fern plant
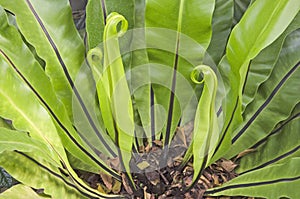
(143, 72)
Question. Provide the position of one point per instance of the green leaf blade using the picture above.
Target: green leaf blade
(31, 80)
(261, 66)
(267, 151)
(264, 113)
(11, 140)
(206, 131)
(40, 30)
(38, 175)
(221, 26)
(21, 191)
(274, 17)
(187, 28)
(264, 21)
(269, 182)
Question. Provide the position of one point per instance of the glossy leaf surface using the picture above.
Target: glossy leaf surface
(21, 191)
(267, 183)
(185, 20)
(41, 30)
(32, 77)
(265, 112)
(263, 22)
(206, 130)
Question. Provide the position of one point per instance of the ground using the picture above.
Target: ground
(169, 182)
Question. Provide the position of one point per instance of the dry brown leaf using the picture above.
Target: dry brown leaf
(224, 178)
(228, 165)
(146, 194)
(158, 142)
(115, 163)
(147, 149)
(141, 149)
(243, 153)
(216, 179)
(107, 179)
(126, 185)
(181, 135)
(188, 130)
(205, 182)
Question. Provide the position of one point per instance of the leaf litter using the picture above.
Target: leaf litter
(171, 181)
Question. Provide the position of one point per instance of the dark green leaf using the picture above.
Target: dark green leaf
(280, 90)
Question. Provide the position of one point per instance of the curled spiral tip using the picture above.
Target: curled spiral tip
(112, 22)
(95, 56)
(201, 71)
(196, 74)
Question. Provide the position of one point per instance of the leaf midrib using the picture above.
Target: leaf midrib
(175, 65)
(22, 113)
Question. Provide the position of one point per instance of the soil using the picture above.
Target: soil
(171, 181)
